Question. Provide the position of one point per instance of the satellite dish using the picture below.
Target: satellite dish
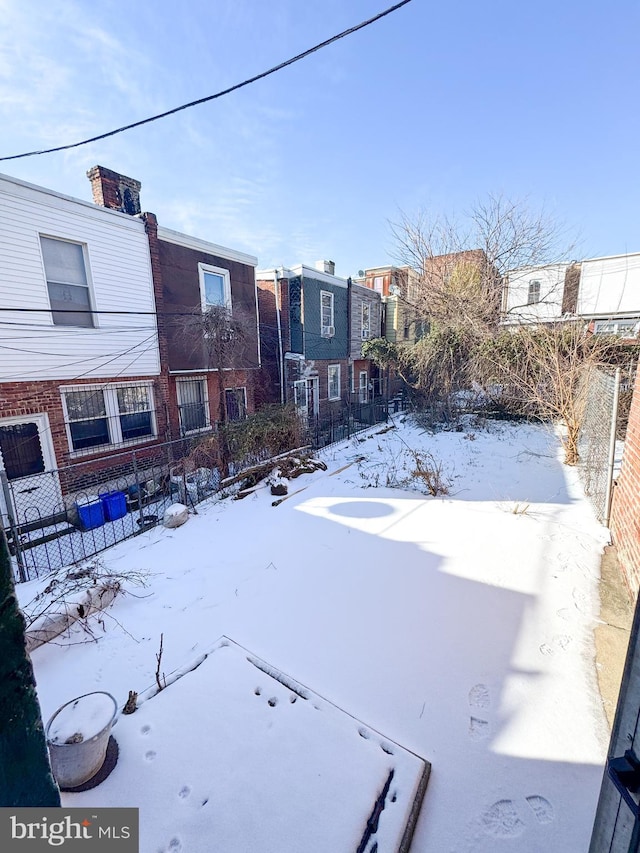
(361, 273)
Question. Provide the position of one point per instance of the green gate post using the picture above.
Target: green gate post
(25, 772)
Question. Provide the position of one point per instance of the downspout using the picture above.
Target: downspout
(276, 291)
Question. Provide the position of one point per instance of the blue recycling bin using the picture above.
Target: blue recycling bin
(114, 505)
(90, 512)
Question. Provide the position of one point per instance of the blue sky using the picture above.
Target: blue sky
(432, 107)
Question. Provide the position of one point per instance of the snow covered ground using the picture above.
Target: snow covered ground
(459, 626)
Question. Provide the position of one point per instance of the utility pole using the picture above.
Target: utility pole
(25, 772)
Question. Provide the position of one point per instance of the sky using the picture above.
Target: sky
(433, 107)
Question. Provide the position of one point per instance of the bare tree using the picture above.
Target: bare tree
(459, 264)
(544, 371)
(223, 340)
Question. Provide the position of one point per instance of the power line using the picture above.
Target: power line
(237, 86)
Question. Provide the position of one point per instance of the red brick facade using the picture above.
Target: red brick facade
(625, 510)
(19, 399)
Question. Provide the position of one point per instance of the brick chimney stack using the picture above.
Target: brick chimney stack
(115, 191)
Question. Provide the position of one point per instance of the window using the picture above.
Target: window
(235, 400)
(112, 414)
(363, 387)
(624, 328)
(377, 284)
(333, 376)
(326, 314)
(366, 321)
(66, 272)
(534, 293)
(193, 405)
(300, 393)
(215, 286)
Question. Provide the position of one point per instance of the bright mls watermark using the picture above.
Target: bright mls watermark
(102, 830)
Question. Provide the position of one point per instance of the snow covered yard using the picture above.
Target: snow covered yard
(459, 626)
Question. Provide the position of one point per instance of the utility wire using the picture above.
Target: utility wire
(254, 79)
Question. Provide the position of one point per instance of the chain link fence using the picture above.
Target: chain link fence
(607, 397)
(61, 517)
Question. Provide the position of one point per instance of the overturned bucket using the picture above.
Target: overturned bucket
(77, 736)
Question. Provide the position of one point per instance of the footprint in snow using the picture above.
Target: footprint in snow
(542, 808)
(184, 792)
(504, 819)
(150, 755)
(479, 701)
(479, 696)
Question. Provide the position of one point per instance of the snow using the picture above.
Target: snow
(460, 626)
(87, 716)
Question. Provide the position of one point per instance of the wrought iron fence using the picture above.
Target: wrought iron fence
(58, 518)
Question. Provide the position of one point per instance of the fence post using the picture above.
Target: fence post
(612, 447)
(134, 465)
(6, 491)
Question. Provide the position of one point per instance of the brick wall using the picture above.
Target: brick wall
(625, 510)
(31, 398)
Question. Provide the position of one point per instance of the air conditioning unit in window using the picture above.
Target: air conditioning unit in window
(366, 334)
(328, 331)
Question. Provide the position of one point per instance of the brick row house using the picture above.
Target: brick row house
(102, 342)
(192, 276)
(312, 327)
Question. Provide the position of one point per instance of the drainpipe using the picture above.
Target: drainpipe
(276, 291)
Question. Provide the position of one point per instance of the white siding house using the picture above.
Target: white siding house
(610, 293)
(534, 294)
(79, 356)
(111, 250)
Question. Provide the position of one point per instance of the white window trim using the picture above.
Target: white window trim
(329, 368)
(202, 269)
(112, 415)
(327, 331)
(364, 387)
(207, 409)
(95, 323)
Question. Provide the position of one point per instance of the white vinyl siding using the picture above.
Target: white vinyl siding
(116, 254)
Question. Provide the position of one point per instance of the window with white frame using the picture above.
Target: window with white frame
(109, 415)
(67, 282)
(193, 405)
(235, 400)
(624, 328)
(215, 286)
(378, 284)
(363, 387)
(333, 379)
(533, 296)
(366, 321)
(326, 314)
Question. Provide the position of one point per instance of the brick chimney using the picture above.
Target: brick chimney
(115, 191)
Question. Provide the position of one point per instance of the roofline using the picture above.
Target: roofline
(88, 204)
(189, 242)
